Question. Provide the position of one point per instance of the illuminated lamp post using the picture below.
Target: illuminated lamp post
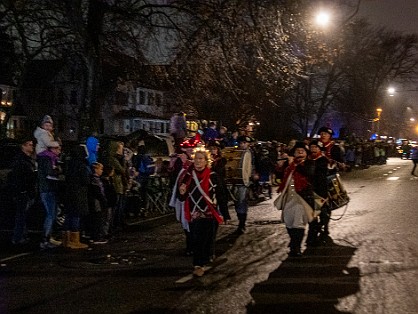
(322, 19)
(379, 112)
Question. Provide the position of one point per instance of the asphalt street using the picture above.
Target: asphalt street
(369, 264)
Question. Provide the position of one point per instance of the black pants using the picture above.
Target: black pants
(203, 237)
(296, 237)
(415, 161)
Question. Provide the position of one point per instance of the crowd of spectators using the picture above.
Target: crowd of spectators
(100, 179)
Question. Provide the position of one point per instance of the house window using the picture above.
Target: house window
(61, 96)
(151, 97)
(73, 98)
(101, 126)
(137, 125)
(127, 125)
(141, 97)
(158, 99)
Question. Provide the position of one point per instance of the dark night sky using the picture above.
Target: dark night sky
(401, 15)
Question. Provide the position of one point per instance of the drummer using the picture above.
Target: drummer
(333, 152)
(241, 191)
(317, 165)
(331, 149)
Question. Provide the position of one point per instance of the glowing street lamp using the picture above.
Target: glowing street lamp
(322, 18)
(391, 91)
(379, 112)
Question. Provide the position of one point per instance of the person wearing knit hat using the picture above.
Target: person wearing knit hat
(43, 135)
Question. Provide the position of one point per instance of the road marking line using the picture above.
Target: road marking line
(190, 277)
(392, 178)
(185, 279)
(13, 257)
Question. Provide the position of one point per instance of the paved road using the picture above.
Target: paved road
(369, 266)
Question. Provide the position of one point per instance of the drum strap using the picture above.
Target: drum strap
(207, 199)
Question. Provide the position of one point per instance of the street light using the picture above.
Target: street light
(379, 112)
(391, 91)
(322, 18)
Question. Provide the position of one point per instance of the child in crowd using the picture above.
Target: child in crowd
(98, 204)
(110, 194)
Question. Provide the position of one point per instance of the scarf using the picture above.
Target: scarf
(204, 179)
(300, 181)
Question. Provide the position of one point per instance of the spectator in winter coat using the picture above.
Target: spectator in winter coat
(48, 172)
(97, 204)
(120, 182)
(111, 198)
(145, 166)
(76, 197)
(23, 182)
(178, 127)
(92, 144)
(43, 134)
(414, 157)
(211, 134)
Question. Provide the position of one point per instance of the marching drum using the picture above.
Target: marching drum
(337, 194)
(238, 166)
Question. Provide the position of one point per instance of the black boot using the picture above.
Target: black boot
(313, 231)
(189, 250)
(242, 218)
(296, 237)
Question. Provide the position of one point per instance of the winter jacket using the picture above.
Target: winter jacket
(48, 171)
(121, 176)
(22, 178)
(44, 139)
(76, 183)
(91, 144)
(97, 197)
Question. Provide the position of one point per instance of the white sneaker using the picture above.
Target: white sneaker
(47, 245)
(55, 242)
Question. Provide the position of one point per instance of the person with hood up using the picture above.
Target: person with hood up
(92, 144)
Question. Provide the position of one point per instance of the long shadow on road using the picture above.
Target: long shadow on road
(310, 284)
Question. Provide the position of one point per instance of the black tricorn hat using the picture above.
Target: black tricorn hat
(298, 145)
(316, 143)
(326, 130)
(244, 138)
(214, 143)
